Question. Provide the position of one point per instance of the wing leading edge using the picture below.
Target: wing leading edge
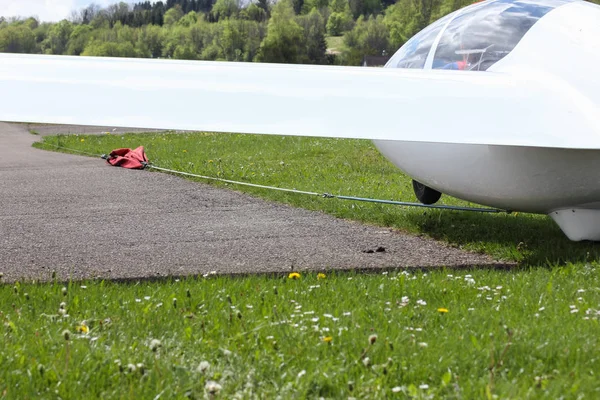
(304, 100)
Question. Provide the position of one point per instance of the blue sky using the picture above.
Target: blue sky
(48, 10)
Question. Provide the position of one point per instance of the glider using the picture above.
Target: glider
(497, 103)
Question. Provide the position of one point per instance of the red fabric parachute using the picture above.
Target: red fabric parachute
(127, 158)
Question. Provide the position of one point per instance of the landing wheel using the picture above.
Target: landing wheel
(425, 194)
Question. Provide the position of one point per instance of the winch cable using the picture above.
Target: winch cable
(334, 196)
(323, 195)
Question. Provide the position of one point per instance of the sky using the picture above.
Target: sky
(48, 10)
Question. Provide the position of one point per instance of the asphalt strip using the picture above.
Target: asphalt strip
(81, 218)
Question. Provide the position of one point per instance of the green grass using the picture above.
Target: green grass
(511, 334)
(529, 332)
(346, 167)
(335, 43)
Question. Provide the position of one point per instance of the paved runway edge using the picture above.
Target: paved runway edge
(83, 219)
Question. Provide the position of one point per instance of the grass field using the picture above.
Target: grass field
(530, 332)
(466, 335)
(335, 43)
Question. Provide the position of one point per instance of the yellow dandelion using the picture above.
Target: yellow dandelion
(83, 328)
(442, 310)
(82, 140)
(327, 339)
(210, 161)
(321, 275)
(294, 275)
(185, 151)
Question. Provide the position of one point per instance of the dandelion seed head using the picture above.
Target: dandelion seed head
(155, 344)
(203, 367)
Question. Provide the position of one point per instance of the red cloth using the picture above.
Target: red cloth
(127, 158)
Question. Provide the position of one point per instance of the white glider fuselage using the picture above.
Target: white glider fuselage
(521, 134)
(561, 53)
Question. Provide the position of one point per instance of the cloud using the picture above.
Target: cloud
(48, 10)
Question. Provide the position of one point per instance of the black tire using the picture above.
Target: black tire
(425, 194)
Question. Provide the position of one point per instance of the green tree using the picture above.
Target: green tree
(407, 17)
(254, 13)
(79, 38)
(370, 37)
(321, 5)
(255, 33)
(17, 39)
(338, 23)
(365, 7)
(173, 15)
(40, 33)
(58, 38)
(232, 40)
(150, 41)
(284, 36)
(225, 9)
(109, 49)
(264, 4)
(185, 52)
(31, 23)
(174, 37)
(314, 42)
(188, 19)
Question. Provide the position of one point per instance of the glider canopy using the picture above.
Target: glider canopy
(473, 38)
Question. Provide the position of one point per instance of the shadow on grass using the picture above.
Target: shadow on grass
(532, 240)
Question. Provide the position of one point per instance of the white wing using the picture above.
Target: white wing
(519, 104)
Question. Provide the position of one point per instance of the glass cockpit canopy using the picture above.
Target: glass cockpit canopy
(473, 38)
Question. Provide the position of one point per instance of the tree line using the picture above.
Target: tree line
(287, 31)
